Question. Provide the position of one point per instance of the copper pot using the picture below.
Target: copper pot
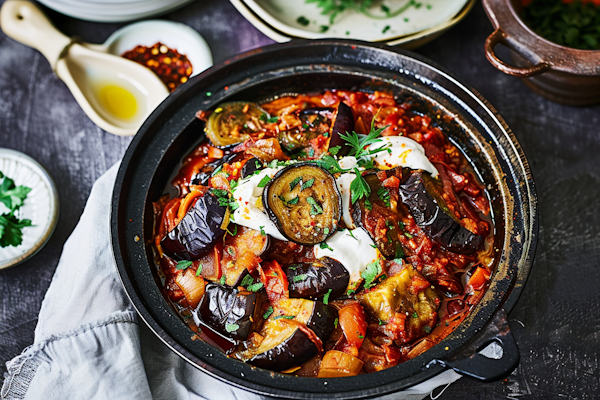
(561, 74)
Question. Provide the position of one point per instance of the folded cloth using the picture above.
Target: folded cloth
(89, 343)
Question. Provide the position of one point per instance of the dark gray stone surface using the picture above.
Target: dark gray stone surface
(556, 321)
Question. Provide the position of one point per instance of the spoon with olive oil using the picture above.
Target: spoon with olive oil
(116, 94)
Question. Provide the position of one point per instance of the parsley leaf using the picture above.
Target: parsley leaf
(10, 230)
(326, 297)
(293, 201)
(222, 280)
(285, 317)
(263, 182)
(272, 120)
(12, 196)
(334, 150)
(295, 182)
(315, 207)
(247, 281)
(255, 287)
(307, 184)
(199, 270)
(373, 270)
(262, 231)
(335, 322)
(183, 264)
(324, 245)
(268, 312)
(384, 195)
(231, 327)
(359, 187)
(299, 278)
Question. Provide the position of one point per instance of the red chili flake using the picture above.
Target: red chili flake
(171, 67)
(226, 88)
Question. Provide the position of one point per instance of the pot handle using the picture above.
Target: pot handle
(469, 362)
(498, 36)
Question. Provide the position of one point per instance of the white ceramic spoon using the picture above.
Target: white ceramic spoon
(116, 94)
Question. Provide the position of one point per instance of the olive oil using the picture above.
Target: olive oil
(118, 101)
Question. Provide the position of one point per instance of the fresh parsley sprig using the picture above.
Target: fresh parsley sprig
(333, 8)
(11, 226)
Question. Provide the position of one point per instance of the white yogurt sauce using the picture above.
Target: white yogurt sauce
(403, 152)
(246, 194)
(354, 251)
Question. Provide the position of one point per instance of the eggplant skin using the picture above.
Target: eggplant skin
(433, 220)
(312, 280)
(251, 166)
(344, 122)
(295, 346)
(198, 230)
(223, 307)
(203, 176)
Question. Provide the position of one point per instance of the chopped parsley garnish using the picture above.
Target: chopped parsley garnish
(384, 195)
(415, 315)
(231, 250)
(302, 20)
(268, 312)
(399, 254)
(255, 287)
(360, 336)
(326, 231)
(359, 187)
(368, 204)
(315, 208)
(295, 182)
(307, 184)
(247, 281)
(371, 272)
(401, 225)
(382, 322)
(387, 28)
(223, 278)
(284, 317)
(299, 278)
(293, 201)
(336, 322)
(334, 150)
(333, 8)
(263, 182)
(231, 327)
(262, 231)
(183, 264)
(326, 297)
(273, 120)
(408, 235)
(199, 270)
(324, 246)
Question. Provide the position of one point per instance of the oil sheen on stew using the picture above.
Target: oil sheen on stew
(324, 235)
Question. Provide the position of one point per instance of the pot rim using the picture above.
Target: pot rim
(149, 147)
(536, 49)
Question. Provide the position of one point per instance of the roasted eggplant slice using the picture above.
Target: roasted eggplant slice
(304, 202)
(233, 122)
(251, 166)
(241, 253)
(198, 230)
(344, 122)
(405, 304)
(202, 177)
(228, 310)
(293, 334)
(313, 280)
(428, 209)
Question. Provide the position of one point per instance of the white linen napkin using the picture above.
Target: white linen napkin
(88, 341)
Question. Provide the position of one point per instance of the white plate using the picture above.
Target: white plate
(40, 206)
(80, 11)
(283, 15)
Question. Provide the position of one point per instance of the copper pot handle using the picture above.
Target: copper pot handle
(498, 36)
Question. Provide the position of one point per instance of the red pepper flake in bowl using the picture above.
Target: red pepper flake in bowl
(171, 67)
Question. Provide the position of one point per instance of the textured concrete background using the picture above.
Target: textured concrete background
(557, 320)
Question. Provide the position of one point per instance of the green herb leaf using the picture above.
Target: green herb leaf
(199, 270)
(326, 231)
(11, 230)
(359, 187)
(268, 312)
(284, 317)
(335, 322)
(307, 184)
(12, 196)
(263, 182)
(334, 150)
(324, 245)
(384, 195)
(223, 278)
(183, 264)
(371, 272)
(299, 278)
(248, 280)
(231, 327)
(315, 207)
(256, 287)
(272, 120)
(295, 182)
(415, 315)
(262, 231)
(326, 297)
(293, 201)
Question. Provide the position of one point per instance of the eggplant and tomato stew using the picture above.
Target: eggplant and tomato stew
(324, 235)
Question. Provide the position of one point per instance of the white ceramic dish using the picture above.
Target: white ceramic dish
(408, 41)
(40, 206)
(139, 9)
(283, 15)
(172, 34)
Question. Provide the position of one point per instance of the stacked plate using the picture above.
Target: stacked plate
(113, 10)
(410, 23)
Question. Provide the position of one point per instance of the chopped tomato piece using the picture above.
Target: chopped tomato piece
(353, 322)
(275, 281)
(479, 278)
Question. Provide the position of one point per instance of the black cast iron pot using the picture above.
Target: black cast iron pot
(303, 66)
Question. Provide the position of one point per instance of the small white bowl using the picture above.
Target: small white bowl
(40, 206)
